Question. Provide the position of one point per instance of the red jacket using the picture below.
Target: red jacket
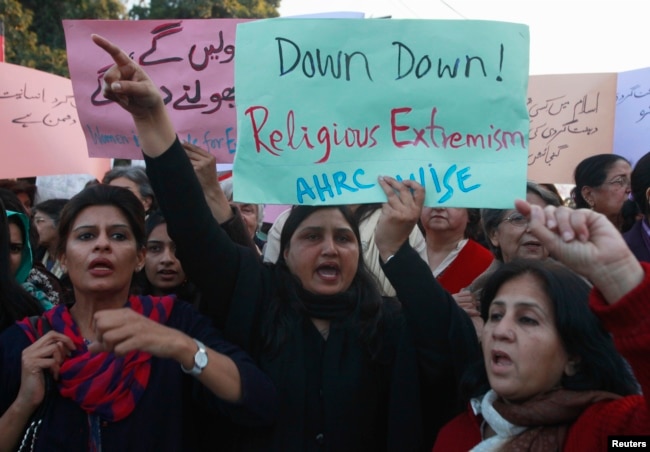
(629, 321)
(472, 261)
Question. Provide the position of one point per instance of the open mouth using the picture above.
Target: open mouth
(101, 264)
(328, 272)
(167, 275)
(100, 267)
(501, 359)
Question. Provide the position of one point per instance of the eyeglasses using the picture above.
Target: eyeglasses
(620, 182)
(516, 219)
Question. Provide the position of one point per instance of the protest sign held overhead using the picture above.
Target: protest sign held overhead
(571, 118)
(324, 107)
(39, 125)
(190, 60)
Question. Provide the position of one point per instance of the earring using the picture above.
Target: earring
(571, 368)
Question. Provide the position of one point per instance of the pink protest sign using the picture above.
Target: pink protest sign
(191, 61)
(40, 127)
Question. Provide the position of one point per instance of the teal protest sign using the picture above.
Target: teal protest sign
(325, 106)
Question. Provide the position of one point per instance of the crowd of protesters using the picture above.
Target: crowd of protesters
(147, 312)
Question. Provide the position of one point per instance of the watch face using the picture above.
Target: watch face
(201, 359)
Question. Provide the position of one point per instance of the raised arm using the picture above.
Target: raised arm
(204, 165)
(129, 85)
(443, 333)
(227, 216)
(432, 313)
(404, 200)
(589, 244)
(209, 257)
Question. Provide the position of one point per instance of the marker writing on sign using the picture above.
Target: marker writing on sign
(446, 182)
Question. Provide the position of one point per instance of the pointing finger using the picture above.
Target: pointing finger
(114, 51)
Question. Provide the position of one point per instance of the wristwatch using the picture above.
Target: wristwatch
(200, 360)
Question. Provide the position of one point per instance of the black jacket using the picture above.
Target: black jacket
(333, 394)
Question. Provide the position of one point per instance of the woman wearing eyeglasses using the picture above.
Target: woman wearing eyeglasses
(603, 185)
(509, 238)
(507, 231)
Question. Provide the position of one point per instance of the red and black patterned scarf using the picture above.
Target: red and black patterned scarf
(102, 383)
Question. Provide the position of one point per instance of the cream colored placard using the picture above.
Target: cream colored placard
(571, 118)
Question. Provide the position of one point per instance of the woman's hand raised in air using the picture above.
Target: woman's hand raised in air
(399, 214)
(589, 244)
(130, 86)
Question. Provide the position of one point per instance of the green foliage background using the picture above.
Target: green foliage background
(34, 32)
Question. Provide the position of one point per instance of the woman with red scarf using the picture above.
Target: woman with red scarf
(551, 377)
(119, 372)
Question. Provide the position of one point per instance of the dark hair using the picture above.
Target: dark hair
(20, 186)
(11, 202)
(186, 291)
(492, 218)
(473, 230)
(15, 302)
(641, 183)
(52, 208)
(600, 366)
(592, 172)
(369, 299)
(154, 219)
(137, 175)
(103, 195)
(629, 213)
